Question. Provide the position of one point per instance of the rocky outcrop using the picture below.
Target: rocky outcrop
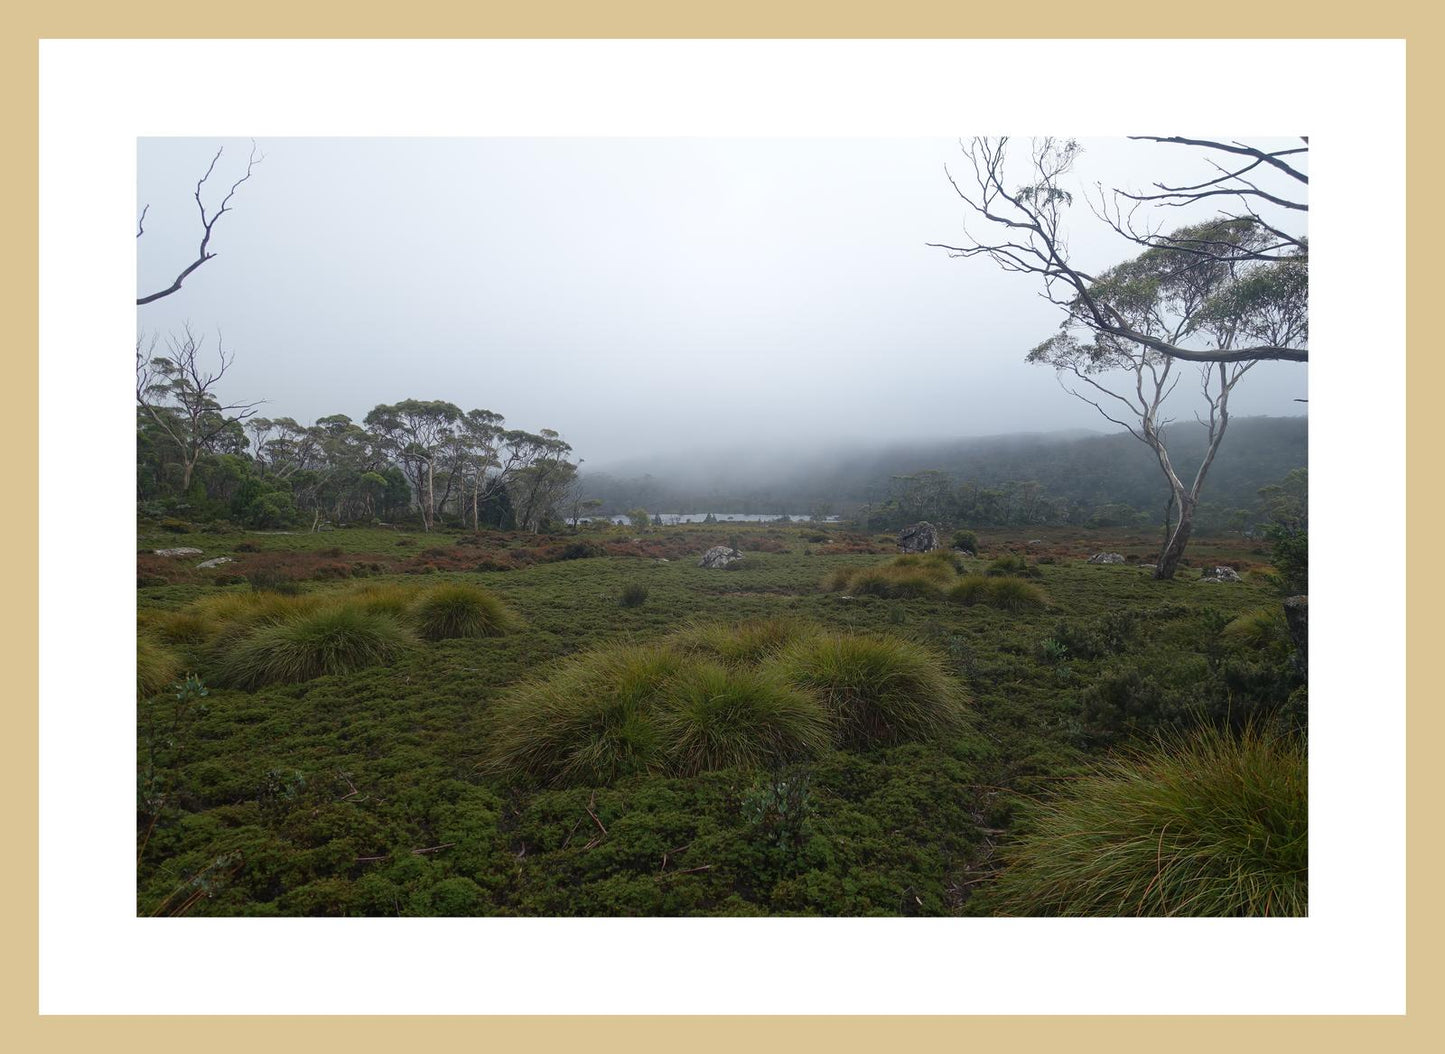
(217, 562)
(1219, 574)
(719, 557)
(918, 538)
(183, 551)
(1106, 558)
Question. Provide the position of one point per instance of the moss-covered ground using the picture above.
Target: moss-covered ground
(364, 793)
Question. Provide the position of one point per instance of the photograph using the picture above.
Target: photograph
(686, 526)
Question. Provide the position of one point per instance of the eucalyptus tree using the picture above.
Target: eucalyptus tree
(417, 433)
(541, 475)
(1171, 295)
(178, 392)
(1224, 293)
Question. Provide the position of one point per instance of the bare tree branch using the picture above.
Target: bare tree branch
(208, 223)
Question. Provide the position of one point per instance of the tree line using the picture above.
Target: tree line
(416, 459)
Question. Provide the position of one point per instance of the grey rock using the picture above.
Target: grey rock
(1219, 574)
(719, 557)
(217, 562)
(184, 551)
(1106, 558)
(918, 538)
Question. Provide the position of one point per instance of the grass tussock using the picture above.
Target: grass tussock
(714, 717)
(383, 599)
(459, 610)
(156, 668)
(332, 640)
(1005, 593)
(744, 643)
(1258, 628)
(1214, 825)
(591, 721)
(909, 575)
(758, 693)
(876, 689)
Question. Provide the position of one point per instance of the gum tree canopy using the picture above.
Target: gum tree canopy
(1220, 294)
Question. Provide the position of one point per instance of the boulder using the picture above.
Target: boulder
(1219, 574)
(719, 556)
(184, 551)
(1106, 558)
(217, 562)
(918, 538)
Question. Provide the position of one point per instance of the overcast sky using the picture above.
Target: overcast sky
(633, 294)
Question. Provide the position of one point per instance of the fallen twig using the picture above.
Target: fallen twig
(433, 849)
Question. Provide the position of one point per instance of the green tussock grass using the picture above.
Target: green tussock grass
(453, 611)
(713, 717)
(1263, 627)
(1005, 593)
(592, 720)
(156, 668)
(744, 643)
(909, 575)
(332, 640)
(383, 599)
(877, 689)
(1212, 825)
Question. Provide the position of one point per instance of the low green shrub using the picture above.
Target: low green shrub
(330, 640)
(452, 611)
(965, 540)
(877, 689)
(1211, 825)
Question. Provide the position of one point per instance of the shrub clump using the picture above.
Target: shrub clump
(334, 640)
(1213, 825)
(459, 610)
(877, 689)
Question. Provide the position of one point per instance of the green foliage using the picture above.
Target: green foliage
(965, 540)
(1212, 825)
(333, 640)
(633, 595)
(457, 610)
(877, 689)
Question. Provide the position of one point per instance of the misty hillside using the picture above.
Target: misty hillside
(1081, 469)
